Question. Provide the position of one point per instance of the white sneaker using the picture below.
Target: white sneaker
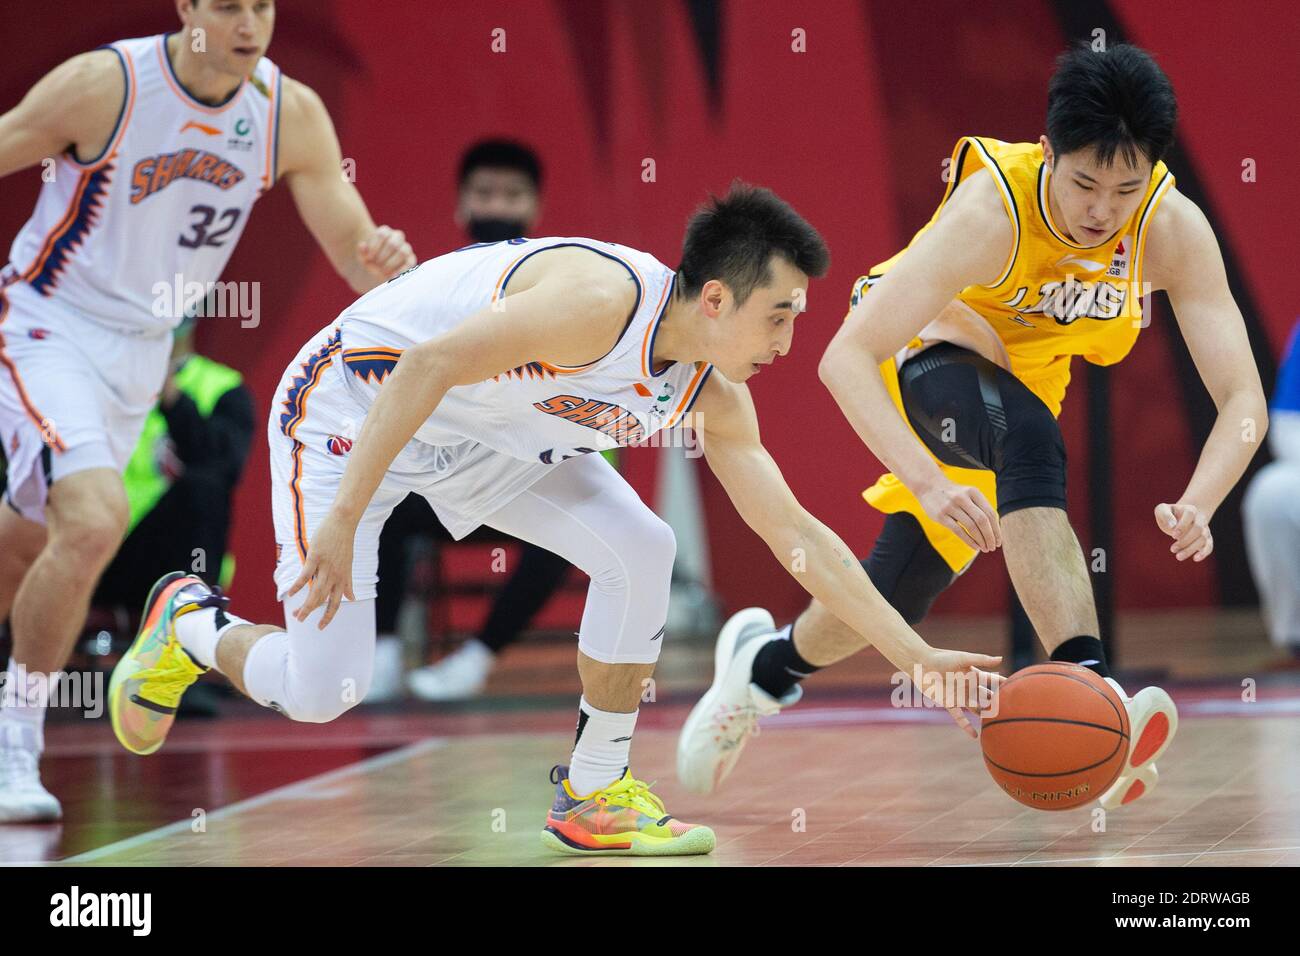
(1153, 721)
(22, 798)
(726, 717)
(458, 676)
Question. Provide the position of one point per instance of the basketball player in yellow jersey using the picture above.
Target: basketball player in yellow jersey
(952, 365)
(159, 146)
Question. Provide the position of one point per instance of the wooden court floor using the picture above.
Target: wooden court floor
(832, 788)
(841, 780)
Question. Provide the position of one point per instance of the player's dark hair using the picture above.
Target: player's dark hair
(501, 154)
(1115, 101)
(733, 239)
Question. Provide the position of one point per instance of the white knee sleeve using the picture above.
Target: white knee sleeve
(587, 514)
(312, 675)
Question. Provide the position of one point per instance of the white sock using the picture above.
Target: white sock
(200, 631)
(601, 753)
(22, 708)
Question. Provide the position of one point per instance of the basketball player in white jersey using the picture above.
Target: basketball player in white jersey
(484, 380)
(158, 147)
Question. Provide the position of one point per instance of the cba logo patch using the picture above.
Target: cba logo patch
(338, 445)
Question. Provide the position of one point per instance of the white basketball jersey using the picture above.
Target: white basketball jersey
(136, 236)
(538, 411)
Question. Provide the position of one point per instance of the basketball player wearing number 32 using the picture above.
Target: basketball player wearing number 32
(952, 364)
(154, 151)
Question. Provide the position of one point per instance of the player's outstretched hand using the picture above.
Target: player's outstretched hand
(963, 510)
(959, 681)
(385, 252)
(328, 570)
(1189, 526)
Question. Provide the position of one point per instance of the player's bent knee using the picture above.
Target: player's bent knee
(1032, 463)
(641, 553)
(319, 708)
(89, 539)
(325, 695)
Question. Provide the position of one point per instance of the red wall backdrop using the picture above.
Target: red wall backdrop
(852, 132)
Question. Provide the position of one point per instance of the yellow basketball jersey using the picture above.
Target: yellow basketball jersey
(1054, 299)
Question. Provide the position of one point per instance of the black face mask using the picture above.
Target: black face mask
(495, 230)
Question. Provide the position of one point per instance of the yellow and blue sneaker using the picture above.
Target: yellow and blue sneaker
(148, 682)
(623, 819)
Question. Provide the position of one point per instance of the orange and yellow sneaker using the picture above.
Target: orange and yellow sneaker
(148, 682)
(623, 819)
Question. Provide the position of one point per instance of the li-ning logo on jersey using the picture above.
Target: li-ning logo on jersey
(154, 173)
(1069, 300)
(606, 417)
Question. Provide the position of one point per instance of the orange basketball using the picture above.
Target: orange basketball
(1057, 736)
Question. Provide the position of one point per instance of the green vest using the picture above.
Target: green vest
(204, 381)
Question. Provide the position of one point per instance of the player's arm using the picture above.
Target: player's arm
(334, 212)
(74, 105)
(567, 317)
(812, 553)
(969, 244)
(1183, 258)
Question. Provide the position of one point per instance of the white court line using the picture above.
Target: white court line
(1132, 856)
(280, 793)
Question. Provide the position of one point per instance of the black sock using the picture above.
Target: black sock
(1084, 650)
(778, 666)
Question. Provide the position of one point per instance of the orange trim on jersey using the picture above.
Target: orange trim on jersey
(60, 228)
(563, 370)
(299, 519)
(268, 176)
(111, 152)
(110, 149)
(188, 100)
(41, 422)
(496, 290)
(649, 329)
(380, 350)
(700, 371)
